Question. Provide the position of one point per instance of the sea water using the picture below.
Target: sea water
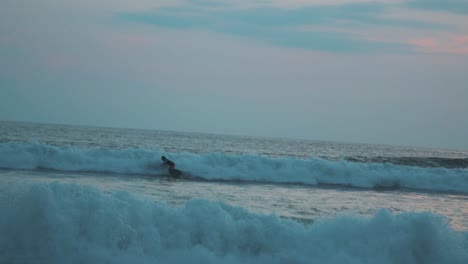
(73, 194)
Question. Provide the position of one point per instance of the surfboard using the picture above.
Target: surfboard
(175, 173)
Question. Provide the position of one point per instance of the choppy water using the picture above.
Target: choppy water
(84, 194)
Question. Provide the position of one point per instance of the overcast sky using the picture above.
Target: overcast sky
(388, 71)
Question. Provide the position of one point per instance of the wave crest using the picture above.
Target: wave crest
(218, 166)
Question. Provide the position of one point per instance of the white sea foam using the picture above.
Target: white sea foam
(62, 223)
(219, 166)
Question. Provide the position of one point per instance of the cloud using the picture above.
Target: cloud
(453, 6)
(457, 44)
(282, 26)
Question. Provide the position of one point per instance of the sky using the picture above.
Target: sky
(378, 72)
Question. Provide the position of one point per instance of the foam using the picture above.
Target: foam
(219, 166)
(62, 223)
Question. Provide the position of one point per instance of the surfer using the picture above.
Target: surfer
(167, 163)
(172, 172)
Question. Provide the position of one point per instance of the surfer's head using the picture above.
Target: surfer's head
(163, 158)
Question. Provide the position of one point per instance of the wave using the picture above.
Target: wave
(425, 162)
(219, 166)
(63, 223)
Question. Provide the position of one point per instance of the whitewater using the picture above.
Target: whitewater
(73, 194)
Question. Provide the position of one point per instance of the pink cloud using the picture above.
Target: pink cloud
(423, 42)
(461, 40)
(457, 44)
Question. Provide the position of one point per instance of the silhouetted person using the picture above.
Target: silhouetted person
(167, 163)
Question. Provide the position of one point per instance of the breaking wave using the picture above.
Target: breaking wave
(63, 223)
(219, 166)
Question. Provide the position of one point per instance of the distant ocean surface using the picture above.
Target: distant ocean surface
(71, 194)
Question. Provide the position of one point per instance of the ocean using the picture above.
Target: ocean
(74, 194)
